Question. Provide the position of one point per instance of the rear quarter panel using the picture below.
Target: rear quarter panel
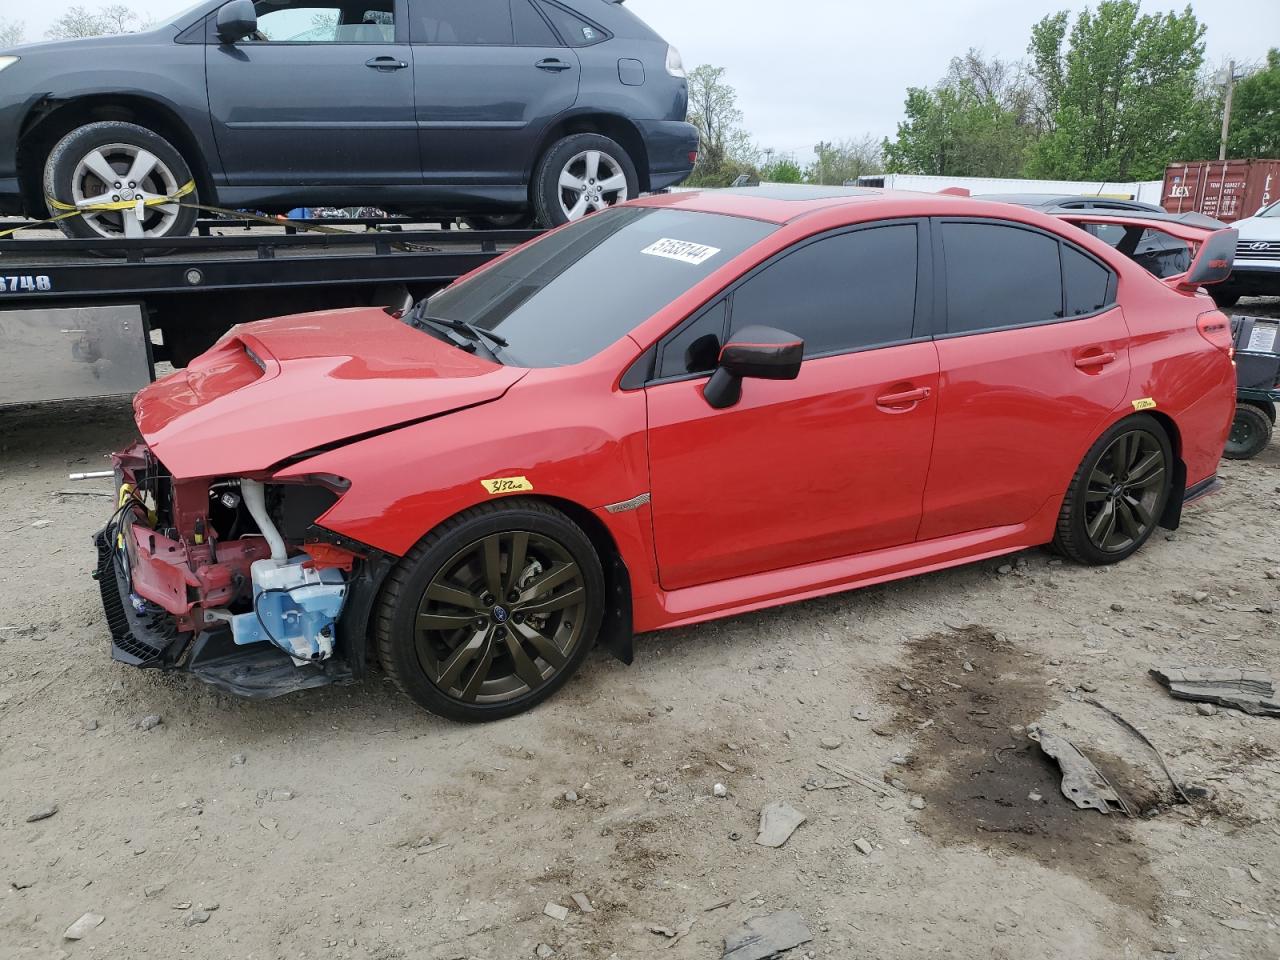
(1191, 381)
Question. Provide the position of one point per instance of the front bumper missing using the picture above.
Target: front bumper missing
(151, 640)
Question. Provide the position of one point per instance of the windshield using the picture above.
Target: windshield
(1271, 211)
(566, 297)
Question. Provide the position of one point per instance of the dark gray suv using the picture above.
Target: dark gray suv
(500, 110)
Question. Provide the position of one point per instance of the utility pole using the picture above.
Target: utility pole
(1230, 84)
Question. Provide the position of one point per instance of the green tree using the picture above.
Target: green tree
(1117, 94)
(845, 160)
(725, 150)
(1255, 112)
(954, 131)
(977, 121)
(783, 170)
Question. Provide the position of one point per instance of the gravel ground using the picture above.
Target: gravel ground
(346, 823)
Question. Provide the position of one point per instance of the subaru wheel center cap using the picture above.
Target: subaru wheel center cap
(500, 614)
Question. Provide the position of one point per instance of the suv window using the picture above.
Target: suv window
(368, 21)
(844, 292)
(696, 347)
(463, 22)
(576, 31)
(531, 29)
(1000, 276)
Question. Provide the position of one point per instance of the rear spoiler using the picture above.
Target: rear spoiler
(1213, 260)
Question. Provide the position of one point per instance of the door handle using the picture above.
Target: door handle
(904, 398)
(553, 65)
(386, 63)
(1095, 360)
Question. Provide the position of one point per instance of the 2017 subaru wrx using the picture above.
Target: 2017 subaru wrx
(776, 395)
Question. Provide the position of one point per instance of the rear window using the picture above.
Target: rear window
(576, 31)
(566, 297)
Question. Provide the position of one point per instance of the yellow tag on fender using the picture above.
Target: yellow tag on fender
(1146, 403)
(507, 485)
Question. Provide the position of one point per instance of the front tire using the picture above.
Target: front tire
(579, 175)
(112, 160)
(492, 612)
(1250, 433)
(1118, 493)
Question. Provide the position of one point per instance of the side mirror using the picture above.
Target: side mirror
(236, 20)
(762, 353)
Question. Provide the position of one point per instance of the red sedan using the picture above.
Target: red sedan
(683, 408)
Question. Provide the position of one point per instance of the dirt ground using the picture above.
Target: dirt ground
(346, 823)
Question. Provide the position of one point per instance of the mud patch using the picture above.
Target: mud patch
(989, 784)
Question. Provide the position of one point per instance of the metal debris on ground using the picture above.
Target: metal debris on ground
(777, 822)
(1082, 783)
(44, 813)
(763, 937)
(1177, 787)
(1249, 690)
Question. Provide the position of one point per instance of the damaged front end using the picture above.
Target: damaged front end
(231, 579)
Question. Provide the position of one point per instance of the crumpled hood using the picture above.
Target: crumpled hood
(276, 388)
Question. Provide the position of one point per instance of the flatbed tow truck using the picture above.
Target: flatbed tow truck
(82, 319)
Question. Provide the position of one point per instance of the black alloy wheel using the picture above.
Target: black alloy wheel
(493, 612)
(501, 617)
(1118, 494)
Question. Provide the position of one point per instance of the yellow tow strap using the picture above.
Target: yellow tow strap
(75, 210)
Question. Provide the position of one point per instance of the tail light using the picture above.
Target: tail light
(1215, 326)
(675, 63)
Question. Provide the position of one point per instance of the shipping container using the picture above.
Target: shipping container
(1226, 190)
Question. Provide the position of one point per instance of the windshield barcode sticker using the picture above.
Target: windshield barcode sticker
(682, 250)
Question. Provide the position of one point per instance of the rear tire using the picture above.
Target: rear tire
(80, 168)
(580, 174)
(510, 221)
(492, 612)
(1118, 493)
(1250, 433)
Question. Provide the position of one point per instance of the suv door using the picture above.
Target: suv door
(321, 95)
(1034, 358)
(829, 465)
(489, 77)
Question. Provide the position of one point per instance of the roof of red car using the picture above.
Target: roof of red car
(780, 203)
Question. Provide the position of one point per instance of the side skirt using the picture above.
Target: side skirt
(776, 588)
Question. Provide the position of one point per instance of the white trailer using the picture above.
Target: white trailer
(1147, 191)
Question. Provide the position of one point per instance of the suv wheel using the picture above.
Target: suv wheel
(492, 612)
(1250, 433)
(579, 175)
(113, 161)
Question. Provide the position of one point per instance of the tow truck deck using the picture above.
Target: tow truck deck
(91, 318)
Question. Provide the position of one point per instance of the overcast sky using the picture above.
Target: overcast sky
(811, 70)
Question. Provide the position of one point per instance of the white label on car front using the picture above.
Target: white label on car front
(682, 250)
(1262, 339)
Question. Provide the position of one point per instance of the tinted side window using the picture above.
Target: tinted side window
(310, 22)
(1000, 276)
(844, 292)
(463, 22)
(531, 29)
(576, 31)
(1086, 282)
(696, 348)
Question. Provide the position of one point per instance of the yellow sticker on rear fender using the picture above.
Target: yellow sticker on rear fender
(507, 485)
(1146, 403)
